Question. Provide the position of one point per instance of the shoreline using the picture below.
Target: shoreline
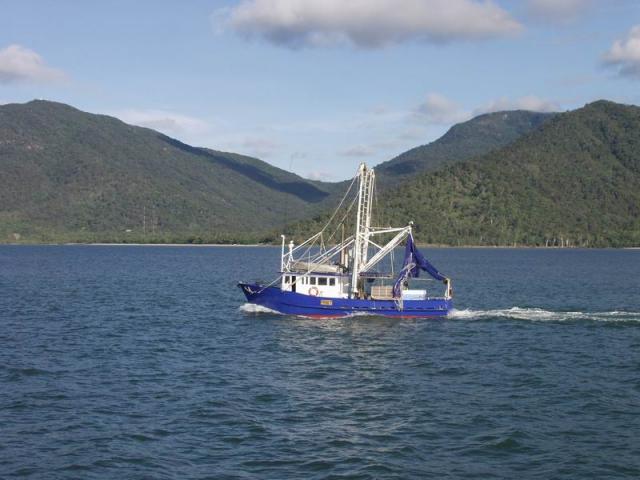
(172, 244)
(103, 244)
(199, 245)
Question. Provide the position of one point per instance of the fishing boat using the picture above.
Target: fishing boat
(323, 277)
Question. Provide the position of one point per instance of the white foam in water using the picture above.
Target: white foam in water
(253, 308)
(517, 313)
(540, 315)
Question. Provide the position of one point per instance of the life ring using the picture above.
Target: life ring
(313, 291)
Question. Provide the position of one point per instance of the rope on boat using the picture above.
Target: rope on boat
(320, 235)
(335, 212)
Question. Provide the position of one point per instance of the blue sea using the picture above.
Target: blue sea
(135, 362)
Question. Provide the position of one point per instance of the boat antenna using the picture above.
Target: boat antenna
(366, 180)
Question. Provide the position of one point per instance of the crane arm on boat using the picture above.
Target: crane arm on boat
(384, 251)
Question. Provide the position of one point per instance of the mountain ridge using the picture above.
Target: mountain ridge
(573, 181)
(67, 175)
(464, 140)
(67, 171)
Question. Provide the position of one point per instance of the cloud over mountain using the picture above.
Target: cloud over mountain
(624, 54)
(169, 123)
(438, 109)
(18, 64)
(368, 23)
(357, 151)
(528, 102)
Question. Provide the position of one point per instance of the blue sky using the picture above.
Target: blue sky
(318, 86)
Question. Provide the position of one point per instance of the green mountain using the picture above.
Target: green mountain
(463, 141)
(573, 181)
(499, 179)
(71, 175)
(576, 179)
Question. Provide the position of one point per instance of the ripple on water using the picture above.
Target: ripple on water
(144, 363)
(542, 315)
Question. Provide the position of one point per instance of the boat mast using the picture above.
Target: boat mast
(363, 223)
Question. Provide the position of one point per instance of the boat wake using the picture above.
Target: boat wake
(541, 315)
(253, 308)
(513, 313)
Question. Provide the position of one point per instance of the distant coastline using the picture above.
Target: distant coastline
(175, 244)
(423, 245)
(120, 244)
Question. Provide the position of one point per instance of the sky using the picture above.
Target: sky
(317, 86)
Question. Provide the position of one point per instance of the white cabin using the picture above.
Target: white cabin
(337, 286)
(316, 284)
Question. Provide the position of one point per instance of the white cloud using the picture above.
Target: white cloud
(625, 54)
(373, 149)
(367, 23)
(558, 11)
(379, 110)
(439, 110)
(170, 123)
(321, 176)
(19, 64)
(411, 134)
(528, 102)
(260, 147)
(357, 151)
(209, 133)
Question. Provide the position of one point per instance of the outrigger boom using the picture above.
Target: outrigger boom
(319, 278)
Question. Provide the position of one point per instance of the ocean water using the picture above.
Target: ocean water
(144, 362)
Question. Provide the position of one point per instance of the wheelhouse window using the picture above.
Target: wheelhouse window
(286, 279)
(312, 280)
(322, 281)
(332, 282)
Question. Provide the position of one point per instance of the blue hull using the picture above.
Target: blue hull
(292, 303)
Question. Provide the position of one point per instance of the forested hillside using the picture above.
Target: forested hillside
(500, 179)
(70, 175)
(463, 141)
(575, 181)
